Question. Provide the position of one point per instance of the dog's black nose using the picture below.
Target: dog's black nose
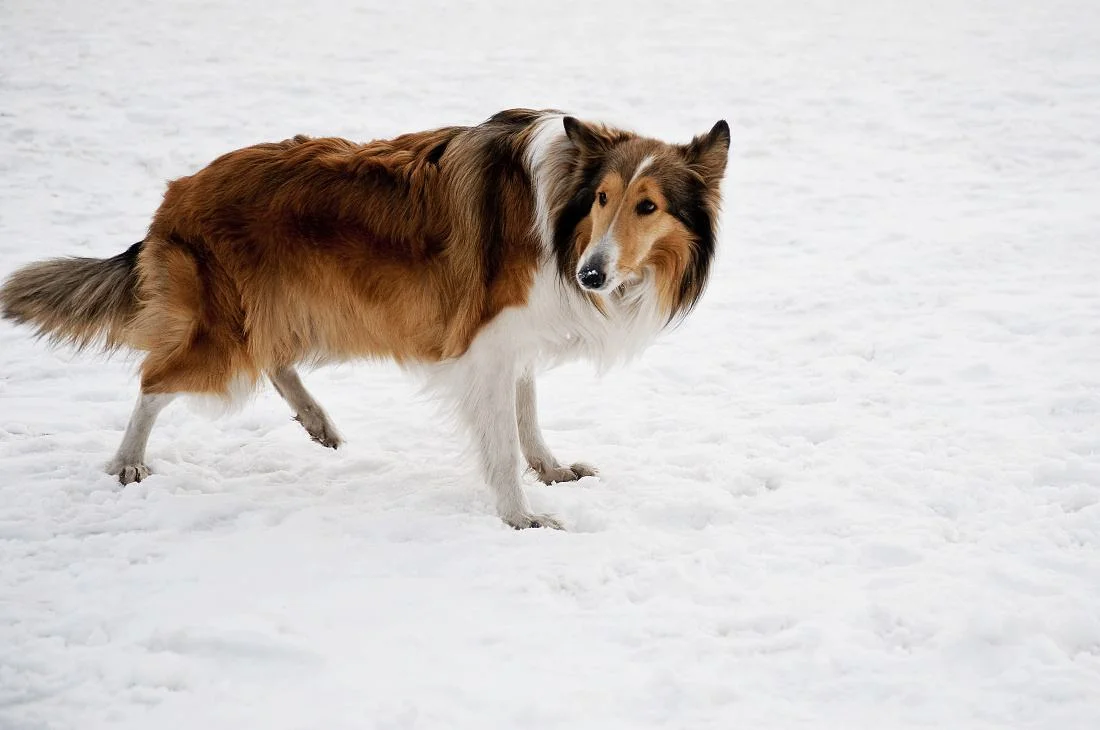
(591, 277)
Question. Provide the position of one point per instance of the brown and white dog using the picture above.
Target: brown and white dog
(477, 255)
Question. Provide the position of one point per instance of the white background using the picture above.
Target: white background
(860, 487)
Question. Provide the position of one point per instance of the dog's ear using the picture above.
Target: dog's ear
(707, 153)
(584, 137)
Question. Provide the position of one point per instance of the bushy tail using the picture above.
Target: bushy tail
(75, 301)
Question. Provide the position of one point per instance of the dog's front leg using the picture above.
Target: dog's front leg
(538, 454)
(487, 403)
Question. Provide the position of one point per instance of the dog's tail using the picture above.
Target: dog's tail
(75, 301)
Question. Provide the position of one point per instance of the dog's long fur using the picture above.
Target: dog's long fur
(476, 254)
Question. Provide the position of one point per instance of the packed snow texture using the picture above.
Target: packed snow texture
(859, 487)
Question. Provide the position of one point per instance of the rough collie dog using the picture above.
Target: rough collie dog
(476, 254)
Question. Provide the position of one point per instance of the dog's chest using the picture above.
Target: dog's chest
(558, 324)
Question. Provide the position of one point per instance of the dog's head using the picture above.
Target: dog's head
(645, 209)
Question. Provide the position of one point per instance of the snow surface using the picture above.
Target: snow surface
(860, 487)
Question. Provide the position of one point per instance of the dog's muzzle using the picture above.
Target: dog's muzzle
(592, 274)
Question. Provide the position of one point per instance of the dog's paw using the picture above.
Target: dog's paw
(571, 473)
(130, 473)
(320, 431)
(328, 440)
(523, 520)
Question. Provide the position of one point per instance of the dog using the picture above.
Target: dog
(477, 255)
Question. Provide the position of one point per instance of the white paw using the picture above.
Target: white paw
(571, 473)
(320, 431)
(130, 473)
(523, 520)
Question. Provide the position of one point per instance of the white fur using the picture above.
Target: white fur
(531, 442)
(646, 162)
(548, 135)
(238, 392)
(129, 461)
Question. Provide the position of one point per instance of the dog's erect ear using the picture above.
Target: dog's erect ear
(583, 137)
(707, 153)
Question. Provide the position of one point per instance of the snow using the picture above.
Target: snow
(859, 487)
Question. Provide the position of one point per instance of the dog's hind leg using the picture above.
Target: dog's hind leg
(129, 461)
(307, 411)
(534, 448)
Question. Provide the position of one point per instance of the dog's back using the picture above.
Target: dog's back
(305, 249)
(311, 249)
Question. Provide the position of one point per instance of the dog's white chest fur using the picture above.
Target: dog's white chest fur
(559, 324)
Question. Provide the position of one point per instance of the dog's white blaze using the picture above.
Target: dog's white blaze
(646, 162)
(607, 243)
(610, 248)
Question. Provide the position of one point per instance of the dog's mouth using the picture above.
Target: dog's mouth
(625, 288)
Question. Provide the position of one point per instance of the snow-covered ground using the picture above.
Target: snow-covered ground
(859, 488)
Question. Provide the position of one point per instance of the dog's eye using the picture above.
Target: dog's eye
(603, 198)
(646, 207)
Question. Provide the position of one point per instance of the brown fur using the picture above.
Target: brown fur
(304, 249)
(324, 249)
(321, 249)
